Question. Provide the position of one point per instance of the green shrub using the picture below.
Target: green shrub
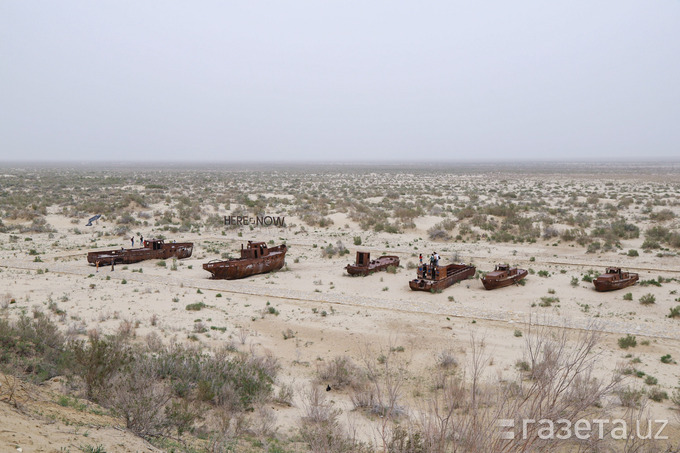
(667, 359)
(629, 341)
(357, 240)
(633, 252)
(675, 312)
(647, 299)
(548, 301)
(97, 361)
(196, 307)
(628, 296)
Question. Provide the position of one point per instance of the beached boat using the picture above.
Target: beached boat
(615, 278)
(503, 275)
(436, 278)
(152, 249)
(257, 258)
(364, 265)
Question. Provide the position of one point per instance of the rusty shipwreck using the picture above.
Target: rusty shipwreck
(256, 258)
(503, 275)
(614, 278)
(436, 278)
(365, 266)
(152, 249)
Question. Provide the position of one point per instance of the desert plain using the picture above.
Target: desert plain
(156, 356)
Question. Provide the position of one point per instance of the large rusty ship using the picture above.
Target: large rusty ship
(436, 278)
(614, 278)
(152, 249)
(364, 265)
(256, 258)
(503, 275)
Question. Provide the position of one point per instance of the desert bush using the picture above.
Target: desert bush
(663, 215)
(330, 250)
(629, 341)
(33, 348)
(628, 296)
(198, 306)
(340, 372)
(97, 361)
(647, 299)
(675, 312)
(446, 359)
(320, 426)
(140, 398)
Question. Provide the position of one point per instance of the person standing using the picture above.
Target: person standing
(132, 241)
(141, 240)
(421, 258)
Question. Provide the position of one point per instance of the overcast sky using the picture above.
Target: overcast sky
(339, 80)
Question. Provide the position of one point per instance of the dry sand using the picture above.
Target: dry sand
(330, 313)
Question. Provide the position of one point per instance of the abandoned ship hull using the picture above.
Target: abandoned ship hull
(129, 256)
(377, 265)
(605, 285)
(454, 272)
(240, 268)
(491, 283)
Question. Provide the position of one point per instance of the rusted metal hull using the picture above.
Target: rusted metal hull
(612, 285)
(501, 279)
(128, 256)
(453, 272)
(376, 265)
(244, 267)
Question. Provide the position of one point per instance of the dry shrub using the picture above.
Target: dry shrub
(340, 372)
(140, 398)
(464, 414)
(320, 426)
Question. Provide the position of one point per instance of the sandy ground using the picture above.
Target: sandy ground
(330, 313)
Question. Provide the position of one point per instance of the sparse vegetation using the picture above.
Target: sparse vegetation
(629, 341)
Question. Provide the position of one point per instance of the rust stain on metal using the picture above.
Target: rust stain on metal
(257, 258)
(503, 275)
(364, 265)
(152, 249)
(614, 278)
(436, 278)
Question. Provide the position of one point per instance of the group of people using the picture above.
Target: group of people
(141, 240)
(434, 259)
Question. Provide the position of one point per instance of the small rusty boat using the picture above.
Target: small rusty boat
(436, 278)
(614, 278)
(152, 249)
(256, 258)
(503, 275)
(365, 266)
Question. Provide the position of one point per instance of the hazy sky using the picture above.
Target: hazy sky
(339, 80)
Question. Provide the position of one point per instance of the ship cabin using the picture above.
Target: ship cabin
(254, 250)
(153, 244)
(430, 272)
(363, 258)
(502, 268)
(614, 271)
